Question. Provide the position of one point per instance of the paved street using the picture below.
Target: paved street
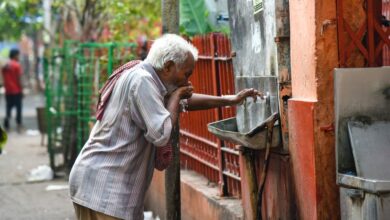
(21, 200)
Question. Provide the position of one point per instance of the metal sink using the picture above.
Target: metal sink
(227, 130)
(252, 114)
(362, 103)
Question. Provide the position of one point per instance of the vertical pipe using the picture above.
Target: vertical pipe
(46, 64)
(250, 171)
(222, 185)
(81, 59)
(170, 23)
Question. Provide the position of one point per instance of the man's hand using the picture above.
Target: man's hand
(184, 92)
(201, 101)
(240, 97)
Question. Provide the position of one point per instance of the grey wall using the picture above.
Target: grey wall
(258, 56)
(253, 38)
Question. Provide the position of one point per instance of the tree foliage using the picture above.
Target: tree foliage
(193, 17)
(78, 19)
(131, 18)
(125, 19)
(19, 16)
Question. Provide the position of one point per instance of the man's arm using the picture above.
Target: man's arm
(149, 113)
(202, 102)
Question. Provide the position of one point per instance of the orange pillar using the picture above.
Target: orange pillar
(314, 55)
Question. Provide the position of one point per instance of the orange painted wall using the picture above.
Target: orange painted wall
(303, 62)
(199, 199)
(302, 142)
(314, 55)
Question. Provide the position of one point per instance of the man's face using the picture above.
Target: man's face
(180, 74)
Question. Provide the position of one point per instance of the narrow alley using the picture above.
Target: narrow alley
(195, 109)
(19, 198)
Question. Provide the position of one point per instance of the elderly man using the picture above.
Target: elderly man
(132, 135)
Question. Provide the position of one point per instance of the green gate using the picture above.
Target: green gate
(61, 110)
(96, 63)
(74, 75)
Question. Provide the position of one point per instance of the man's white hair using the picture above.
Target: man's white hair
(170, 47)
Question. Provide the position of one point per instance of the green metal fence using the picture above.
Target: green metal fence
(96, 62)
(73, 76)
(60, 109)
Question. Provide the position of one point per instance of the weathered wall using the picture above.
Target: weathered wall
(278, 196)
(253, 38)
(314, 55)
(199, 199)
(282, 40)
(327, 59)
(302, 142)
(261, 43)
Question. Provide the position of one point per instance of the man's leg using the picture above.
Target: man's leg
(84, 213)
(18, 104)
(8, 107)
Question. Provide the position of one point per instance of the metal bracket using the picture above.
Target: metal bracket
(355, 193)
(278, 39)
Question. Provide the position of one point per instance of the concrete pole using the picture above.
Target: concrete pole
(170, 22)
(47, 21)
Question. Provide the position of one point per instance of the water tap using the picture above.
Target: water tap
(266, 97)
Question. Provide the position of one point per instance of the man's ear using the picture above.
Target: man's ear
(168, 66)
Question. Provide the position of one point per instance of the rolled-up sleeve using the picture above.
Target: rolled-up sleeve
(149, 113)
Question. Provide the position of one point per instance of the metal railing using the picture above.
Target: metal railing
(74, 73)
(200, 150)
(60, 105)
(96, 61)
(368, 38)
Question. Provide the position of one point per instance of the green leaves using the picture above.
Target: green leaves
(129, 19)
(14, 16)
(193, 17)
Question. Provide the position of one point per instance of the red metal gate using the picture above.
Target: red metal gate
(200, 150)
(367, 38)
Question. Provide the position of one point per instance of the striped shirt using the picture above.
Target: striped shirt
(115, 167)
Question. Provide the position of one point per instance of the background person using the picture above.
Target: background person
(12, 74)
